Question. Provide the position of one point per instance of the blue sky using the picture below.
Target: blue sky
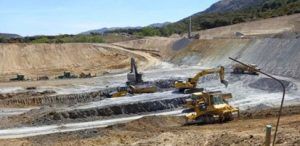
(51, 17)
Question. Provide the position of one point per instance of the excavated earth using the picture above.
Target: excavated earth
(168, 130)
(163, 61)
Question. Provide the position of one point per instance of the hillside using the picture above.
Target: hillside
(228, 12)
(34, 60)
(286, 26)
(230, 5)
(224, 13)
(8, 35)
(279, 56)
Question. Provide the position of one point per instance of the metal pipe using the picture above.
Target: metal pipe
(283, 94)
(268, 135)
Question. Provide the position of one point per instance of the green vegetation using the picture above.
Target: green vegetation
(57, 39)
(2, 39)
(268, 9)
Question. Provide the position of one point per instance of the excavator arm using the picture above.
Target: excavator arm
(192, 82)
(220, 71)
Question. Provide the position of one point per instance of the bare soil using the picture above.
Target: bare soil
(168, 130)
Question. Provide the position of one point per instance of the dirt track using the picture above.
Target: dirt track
(166, 130)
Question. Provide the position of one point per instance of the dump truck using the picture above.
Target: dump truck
(190, 86)
(209, 107)
(241, 69)
(131, 90)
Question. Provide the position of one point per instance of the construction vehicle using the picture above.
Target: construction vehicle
(121, 91)
(133, 77)
(43, 78)
(241, 69)
(131, 90)
(190, 86)
(142, 88)
(84, 75)
(209, 107)
(18, 78)
(67, 75)
(134, 84)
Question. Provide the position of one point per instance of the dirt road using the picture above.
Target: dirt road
(168, 130)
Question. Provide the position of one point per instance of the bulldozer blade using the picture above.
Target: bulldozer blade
(194, 122)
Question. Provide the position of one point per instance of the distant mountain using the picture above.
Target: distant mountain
(8, 35)
(229, 12)
(231, 5)
(105, 29)
(159, 25)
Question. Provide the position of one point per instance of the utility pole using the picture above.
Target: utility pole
(283, 94)
(190, 28)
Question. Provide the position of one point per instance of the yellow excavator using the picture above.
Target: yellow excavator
(190, 86)
(209, 107)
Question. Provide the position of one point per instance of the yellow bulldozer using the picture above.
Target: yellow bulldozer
(209, 107)
(190, 86)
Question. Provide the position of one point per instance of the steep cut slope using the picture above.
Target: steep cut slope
(262, 27)
(52, 59)
(280, 56)
(276, 56)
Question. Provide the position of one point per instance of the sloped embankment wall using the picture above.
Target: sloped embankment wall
(276, 56)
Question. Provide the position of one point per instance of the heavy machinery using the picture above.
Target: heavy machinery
(134, 84)
(42, 78)
(67, 75)
(209, 107)
(133, 77)
(121, 91)
(190, 86)
(241, 69)
(137, 89)
(85, 75)
(18, 78)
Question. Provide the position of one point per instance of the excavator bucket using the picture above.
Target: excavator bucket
(225, 83)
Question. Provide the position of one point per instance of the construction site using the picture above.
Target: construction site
(178, 90)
